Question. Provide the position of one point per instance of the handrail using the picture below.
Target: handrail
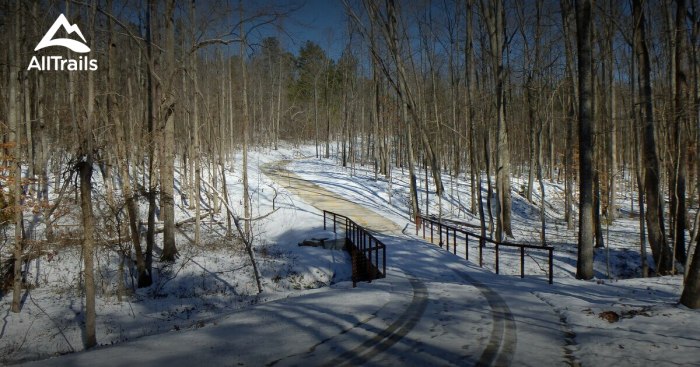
(421, 220)
(364, 249)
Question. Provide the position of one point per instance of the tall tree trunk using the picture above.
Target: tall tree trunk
(612, 115)
(489, 184)
(663, 256)
(144, 277)
(152, 141)
(566, 12)
(85, 168)
(495, 21)
(599, 242)
(584, 265)
(316, 115)
(85, 172)
(279, 108)
(469, 80)
(195, 136)
(15, 136)
(540, 179)
(246, 196)
(597, 119)
(635, 119)
(691, 290)
(679, 194)
(167, 112)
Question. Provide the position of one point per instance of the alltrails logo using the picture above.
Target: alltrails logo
(46, 63)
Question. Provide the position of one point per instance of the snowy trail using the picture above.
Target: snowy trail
(432, 309)
(502, 342)
(541, 334)
(324, 199)
(499, 351)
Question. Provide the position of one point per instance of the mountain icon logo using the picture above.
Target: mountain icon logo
(74, 45)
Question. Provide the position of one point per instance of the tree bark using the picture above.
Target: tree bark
(691, 290)
(495, 21)
(150, 117)
(566, 11)
(15, 136)
(584, 265)
(85, 170)
(678, 209)
(195, 136)
(654, 215)
(246, 196)
(144, 277)
(84, 166)
(167, 112)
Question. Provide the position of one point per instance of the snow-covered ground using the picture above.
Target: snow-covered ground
(213, 280)
(205, 282)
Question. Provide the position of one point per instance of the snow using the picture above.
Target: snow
(203, 309)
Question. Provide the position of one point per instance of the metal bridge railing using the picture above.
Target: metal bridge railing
(443, 233)
(368, 254)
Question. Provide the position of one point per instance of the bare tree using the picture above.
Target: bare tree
(691, 290)
(246, 195)
(85, 159)
(494, 15)
(144, 277)
(654, 216)
(167, 115)
(584, 266)
(15, 136)
(566, 13)
(678, 196)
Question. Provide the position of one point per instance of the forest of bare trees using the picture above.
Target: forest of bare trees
(601, 96)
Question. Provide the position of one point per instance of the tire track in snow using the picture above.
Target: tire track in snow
(370, 348)
(501, 346)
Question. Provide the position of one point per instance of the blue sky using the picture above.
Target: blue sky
(321, 21)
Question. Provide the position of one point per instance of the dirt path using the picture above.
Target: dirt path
(326, 200)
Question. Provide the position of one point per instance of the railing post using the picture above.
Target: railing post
(334, 231)
(353, 259)
(496, 257)
(354, 232)
(454, 241)
(481, 252)
(522, 262)
(447, 239)
(368, 250)
(376, 253)
(431, 232)
(365, 244)
(551, 265)
(384, 260)
(423, 222)
(440, 232)
(324, 220)
(466, 245)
